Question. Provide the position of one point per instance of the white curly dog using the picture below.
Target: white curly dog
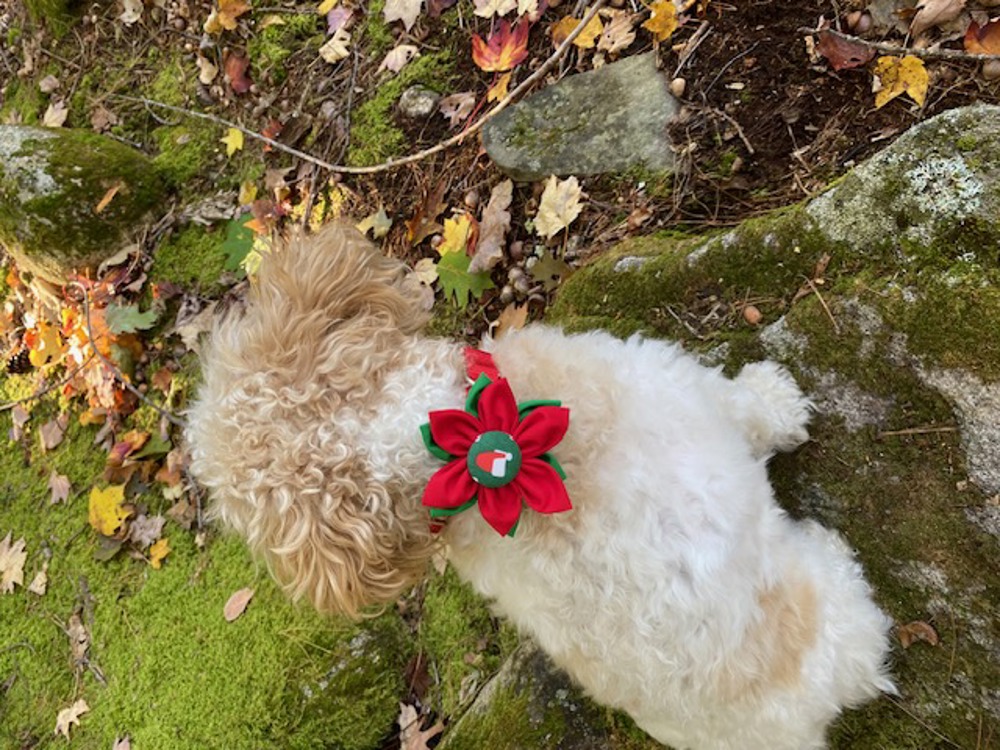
(675, 589)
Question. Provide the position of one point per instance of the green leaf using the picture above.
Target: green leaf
(457, 283)
(239, 240)
(128, 318)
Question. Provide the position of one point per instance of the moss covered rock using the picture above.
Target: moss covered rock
(70, 199)
(882, 296)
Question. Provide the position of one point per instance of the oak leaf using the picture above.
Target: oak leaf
(12, 559)
(336, 47)
(493, 228)
(662, 21)
(67, 717)
(895, 76)
(505, 49)
(558, 207)
(106, 513)
(457, 107)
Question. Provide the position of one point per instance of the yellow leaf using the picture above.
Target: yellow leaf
(326, 6)
(106, 513)
(233, 140)
(248, 192)
(456, 235)
(498, 90)
(662, 21)
(895, 76)
(587, 37)
(158, 551)
(558, 207)
(47, 346)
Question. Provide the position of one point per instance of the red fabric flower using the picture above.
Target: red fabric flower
(497, 456)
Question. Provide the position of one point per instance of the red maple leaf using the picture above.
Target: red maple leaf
(505, 49)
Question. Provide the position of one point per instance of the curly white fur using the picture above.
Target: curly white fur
(676, 590)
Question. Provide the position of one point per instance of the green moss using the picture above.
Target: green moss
(270, 48)
(185, 151)
(24, 99)
(507, 726)
(57, 15)
(374, 135)
(191, 256)
(375, 33)
(173, 84)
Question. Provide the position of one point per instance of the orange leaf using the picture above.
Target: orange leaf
(983, 40)
(236, 67)
(505, 49)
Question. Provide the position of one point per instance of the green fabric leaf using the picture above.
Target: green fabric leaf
(554, 463)
(447, 512)
(526, 407)
(457, 283)
(472, 400)
(434, 448)
(128, 318)
(238, 242)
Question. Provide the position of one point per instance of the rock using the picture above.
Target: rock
(605, 120)
(418, 102)
(900, 351)
(58, 213)
(529, 704)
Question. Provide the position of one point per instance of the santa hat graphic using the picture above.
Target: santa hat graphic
(494, 462)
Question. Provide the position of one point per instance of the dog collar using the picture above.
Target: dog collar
(496, 453)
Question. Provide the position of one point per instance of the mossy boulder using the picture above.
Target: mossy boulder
(882, 296)
(71, 199)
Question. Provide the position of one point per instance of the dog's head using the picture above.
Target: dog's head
(288, 387)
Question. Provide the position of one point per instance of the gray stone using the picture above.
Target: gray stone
(418, 102)
(52, 185)
(605, 120)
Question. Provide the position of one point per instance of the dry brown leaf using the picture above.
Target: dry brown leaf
(237, 604)
(55, 115)
(79, 640)
(619, 31)
(70, 716)
(918, 630)
(457, 107)
(398, 56)
(559, 206)
(424, 221)
(411, 736)
(108, 197)
(493, 228)
(933, 13)
(59, 486)
(12, 559)
(40, 582)
(513, 317)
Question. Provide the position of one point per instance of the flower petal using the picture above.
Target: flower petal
(454, 430)
(541, 430)
(497, 407)
(450, 486)
(542, 488)
(500, 507)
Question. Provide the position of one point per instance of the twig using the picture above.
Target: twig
(420, 155)
(739, 130)
(47, 389)
(893, 49)
(918, 431)
(826, 309)
(691, 45)
(118, 374)
(899, 704)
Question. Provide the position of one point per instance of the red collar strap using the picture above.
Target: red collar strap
(478, 362)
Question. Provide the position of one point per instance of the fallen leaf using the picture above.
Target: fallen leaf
(336, 47)
(40, 582)
(549, 270)
(48, 84)
(59, 486)
(237, 604)
(513, 318)
(70, 716)
(338, 18)
(558, 207)
(402, 10)
(619, 31)
(586, 39)
(457, 284)
(236, 66)
(493, 228)
(122, 743)
(225, 16)
(983, 40)
(79, 639)
(12, 559)
(457, 107)
(436, 7)
(326, 6)
(19, 417)
(132, 11)
(128, 318)
(233, 140)
(527, 8)
(162, 379)
(490, 8)
(917, 630)
(498, 91)
(105, 512)
(411, 736)
(158, 552)
(426, 271)
(841, 53)
(424, 221)
(895, 76)
(398, 56)
(456, 235)
(207, 70)
(379, 223)
(108, 197)
(44, 343)
(933, 13)
(55, 115)
(52, 432)
(144, 530)
(102, 118)
(662, 21)
(505, 49)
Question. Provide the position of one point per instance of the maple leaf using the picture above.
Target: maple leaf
(52, 432)
(70, 716)
(619, 31)
(106, 513)
(493, 228)
(238, 242)
(237, 604)
(490, 8)
(12, 559)
(402, 10)
(586, 39)
(158, 552)
(225, 16)
(505, 49)
(841, 53)
(398, 56)
(662, 21)
(558, 207)
(426, 271)
(456, 235)
(895, 76)
(456, 107)
(233, 140)
(59, 486)
(548, 270)
(933, 13)
(457, 283)
(379, 223)
(128, 318)
(983, 40)
(335, 48)
(498, 91)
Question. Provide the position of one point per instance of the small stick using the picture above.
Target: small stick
(930, 430)
(892, 49)
(815, 290)
(691, 45)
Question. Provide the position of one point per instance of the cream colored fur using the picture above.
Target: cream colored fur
(676, 590)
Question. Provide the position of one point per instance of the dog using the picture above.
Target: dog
(675, 589)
